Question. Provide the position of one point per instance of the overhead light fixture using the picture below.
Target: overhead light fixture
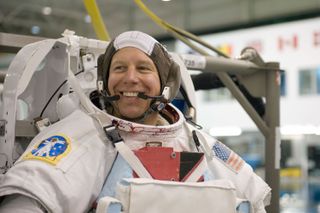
(300, 130)
(165, 0)
(87, 19)
(46, 11)
(225, 131)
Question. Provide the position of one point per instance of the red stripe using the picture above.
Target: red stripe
(231, 158)
(236, 161)
(239, 166)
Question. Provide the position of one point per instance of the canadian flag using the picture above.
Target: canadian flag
(288, 42)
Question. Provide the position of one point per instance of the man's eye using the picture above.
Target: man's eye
(118, 68)
(144, 68)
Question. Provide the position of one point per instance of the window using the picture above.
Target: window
(283, 84)
(309, 81)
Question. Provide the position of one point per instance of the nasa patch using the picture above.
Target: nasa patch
(50, 150)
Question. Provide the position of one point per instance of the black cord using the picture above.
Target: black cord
(112, 165)
(195, 139)
(55, 92)
(189, 120)
(185, 96)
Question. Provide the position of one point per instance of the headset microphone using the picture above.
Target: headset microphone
(110, 98)
(144, 96)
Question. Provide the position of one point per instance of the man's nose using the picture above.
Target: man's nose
(132, 74)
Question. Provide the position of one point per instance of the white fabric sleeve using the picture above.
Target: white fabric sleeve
(18, 203)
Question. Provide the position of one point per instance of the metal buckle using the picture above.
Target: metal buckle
(112, 134)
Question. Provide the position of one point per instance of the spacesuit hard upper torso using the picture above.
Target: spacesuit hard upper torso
(66, 165)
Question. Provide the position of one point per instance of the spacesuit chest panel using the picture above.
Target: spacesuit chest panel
(161, 162)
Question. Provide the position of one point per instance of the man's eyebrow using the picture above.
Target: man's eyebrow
(117, 62)
(145, 62)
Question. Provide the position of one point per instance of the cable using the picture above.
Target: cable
(179, 33)
(97, 21)
(55, 92)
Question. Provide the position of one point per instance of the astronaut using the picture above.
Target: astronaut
(130, 132)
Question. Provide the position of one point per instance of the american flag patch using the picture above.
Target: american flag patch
(230, 158)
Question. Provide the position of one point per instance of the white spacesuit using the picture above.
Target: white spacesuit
(72, 165)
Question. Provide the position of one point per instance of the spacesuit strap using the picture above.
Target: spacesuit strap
(84, 100)
(114, 136)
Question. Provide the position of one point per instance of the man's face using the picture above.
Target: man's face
(132, 71)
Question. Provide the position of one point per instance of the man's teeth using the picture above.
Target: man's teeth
(130, 94)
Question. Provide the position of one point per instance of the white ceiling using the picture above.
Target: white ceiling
(197, 16)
